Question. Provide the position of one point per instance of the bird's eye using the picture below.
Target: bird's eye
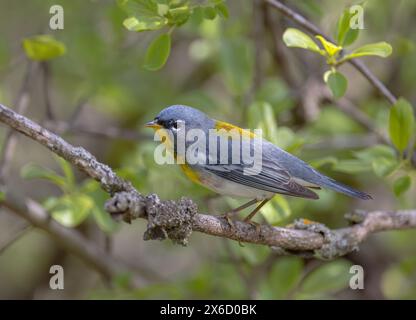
(171, 124)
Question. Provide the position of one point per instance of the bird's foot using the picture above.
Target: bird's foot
(253, 223)
(228, 217)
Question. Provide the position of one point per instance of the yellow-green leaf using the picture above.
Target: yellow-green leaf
(276, 210)
(222, 10)
(158, 52)
(178, 16)
(328, 278)
(401, 124)
(383, 167)
(380, 49)
(330, 48)
(43, 48)
(68, 172)
(210, 13)
(351, 166)
(295, 38)
(326, 75)
(70, 210)
(401, 185)
(143, 15)
(33, 171)
(104, 220)
(285, 274)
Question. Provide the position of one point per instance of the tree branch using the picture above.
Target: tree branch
(78, 156)
(177, 220)
(71, 239)
(314, 30)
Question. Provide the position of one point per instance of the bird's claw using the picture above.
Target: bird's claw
(228, 217)
(254, 224)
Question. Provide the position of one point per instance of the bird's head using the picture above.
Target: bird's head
(178, 116)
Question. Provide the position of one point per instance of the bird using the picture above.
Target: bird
(280, 173)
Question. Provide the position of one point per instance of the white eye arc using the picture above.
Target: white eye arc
(178, 124)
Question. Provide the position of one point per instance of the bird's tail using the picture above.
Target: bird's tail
(337, 186)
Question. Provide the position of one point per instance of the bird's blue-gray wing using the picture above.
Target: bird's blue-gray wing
(271, 178)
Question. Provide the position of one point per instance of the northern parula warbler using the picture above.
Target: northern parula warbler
(280, 171)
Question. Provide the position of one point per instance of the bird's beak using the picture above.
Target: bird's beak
(153, 124)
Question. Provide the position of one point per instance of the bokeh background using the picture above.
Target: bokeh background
(236, 69)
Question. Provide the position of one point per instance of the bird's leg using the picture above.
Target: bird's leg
(252, 214)
(233, 212)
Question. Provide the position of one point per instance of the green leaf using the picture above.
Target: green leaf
(295, 38)
(104, 220)
(337, 83)
(67, 170)
(70, 210)
(143, 15)
(222, 10)
(352, 166)
(401, 185)
(328, 278)
(401, 124)
(282, 279)
(210, 13)
(32, 171)
(375, 152)
(158, 52)
(395, 282)
(237, 64)
(380, 49)
(43, 48)
(269, 124)
(383, 167)
(178, 16)
(345, 35)
(276, 210)
(329, 160)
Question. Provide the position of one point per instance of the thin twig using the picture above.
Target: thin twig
(280, 55)
(361, 118)
(63, 128)
(17, 234)
(21, 103)
(46, 92)
(78, 110)
(340, 142)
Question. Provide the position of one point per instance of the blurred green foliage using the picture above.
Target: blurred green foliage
(203, 53)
